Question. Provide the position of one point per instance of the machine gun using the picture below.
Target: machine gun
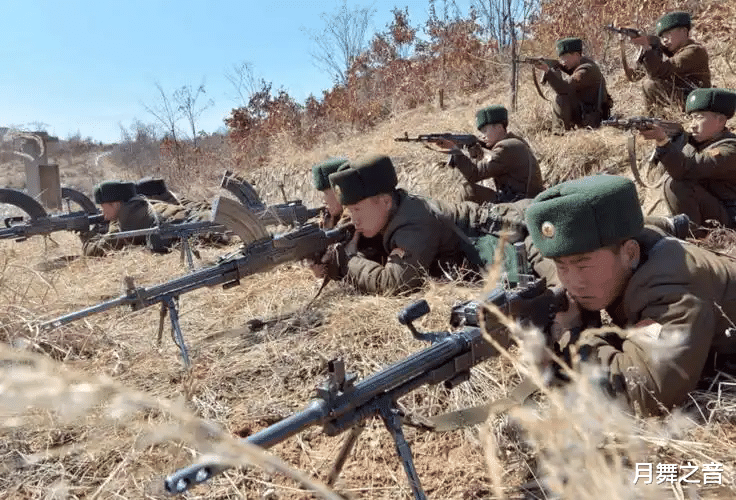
(466, 140)
(42, 223)
(161, 236)
(343, 404)
(289, 213)
(262, 254)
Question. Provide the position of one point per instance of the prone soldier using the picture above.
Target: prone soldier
(675, 299)
(701, 181)
(509, 161)
(416, 239)
(126, 210)
(321, 177)
(582, 97)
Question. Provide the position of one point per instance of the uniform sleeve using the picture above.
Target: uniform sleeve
(99, 244)
(685, 62)
(655, 366)
(717, 162)
(412, 250)
(495, 163)
(582, 78)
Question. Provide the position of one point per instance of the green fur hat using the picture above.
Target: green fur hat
(321, 172)
(110, 191)
(361, 179)
(672, 20)
(584, 215)
(491, 114)
(149, 186)
(717, 100)
(567, 45)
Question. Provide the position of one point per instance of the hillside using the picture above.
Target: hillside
(97, 409)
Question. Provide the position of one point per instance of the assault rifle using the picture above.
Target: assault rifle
(289, 213)
(257, 257)
(164, 234)
(671, 128)
(629, 32)
(343, 404)
(552, 63)
(20, 229)
(459, 139)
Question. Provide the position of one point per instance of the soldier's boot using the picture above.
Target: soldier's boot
(680, 226)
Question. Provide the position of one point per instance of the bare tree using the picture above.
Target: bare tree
(342, 40)
(506, 21)
(186, 99)
(166, 113)
(244, 81)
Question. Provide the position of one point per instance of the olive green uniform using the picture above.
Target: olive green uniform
(512, 166)
(684, 297)
(671, 79)
(140, 213)
(702, 178)
(416, 240)
(582, 98)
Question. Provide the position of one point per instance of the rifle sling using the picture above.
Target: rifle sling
(631, 150)
(479, 414)
(536, 85)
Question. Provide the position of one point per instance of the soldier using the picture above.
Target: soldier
(509, 162)
(128, 211)
(321, 173)
(156, 189)
(415, 238)
(701, 181)
(582, 97)
(685, 66)
(678, 299)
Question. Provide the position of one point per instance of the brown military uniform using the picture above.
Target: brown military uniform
(671, 79)
(582, 97)
(140, 213)
(512, 166)
(684, 298)
(702, 179)
(416, 241)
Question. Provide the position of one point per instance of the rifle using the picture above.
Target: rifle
(257, 257)
(467, 140)
(342, 404)
(629, 32)
(671, 128)
(164, 234)
(289, 213)
(552, 63)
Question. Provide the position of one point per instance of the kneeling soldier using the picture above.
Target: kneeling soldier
(678, 300)
(510, 162)
(702, 174)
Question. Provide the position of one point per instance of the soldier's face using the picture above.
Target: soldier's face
(570, 60)
(333, 205)
(674, 38)
(595, 279)
(492, 133)
(110, 210)
(705, 125)
(371, 215)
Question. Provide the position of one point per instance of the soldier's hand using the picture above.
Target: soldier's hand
(335, 261)
(642, 41)
(318, 269)
(541, 66)
(567, 320)
(446, 145)
(653, 133)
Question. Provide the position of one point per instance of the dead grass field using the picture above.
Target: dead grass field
(98, 410)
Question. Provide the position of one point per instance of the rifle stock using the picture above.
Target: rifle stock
(341, 404)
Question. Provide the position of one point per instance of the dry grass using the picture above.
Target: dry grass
(98, 410)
